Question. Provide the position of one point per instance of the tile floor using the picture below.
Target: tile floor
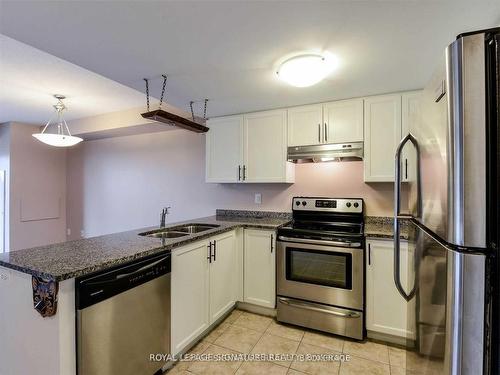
(243, 332)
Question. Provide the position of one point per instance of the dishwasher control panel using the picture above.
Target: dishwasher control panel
(92, 289)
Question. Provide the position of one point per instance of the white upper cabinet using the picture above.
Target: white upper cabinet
(305, 125)
(382, 135)
(335, 122)
(410, 120)
(265, 147)
(248, 148)
(224, 149)
(388, 119)
(344, 121)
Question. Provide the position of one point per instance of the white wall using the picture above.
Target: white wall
(5, 166)
(121, 183)
(37, 201)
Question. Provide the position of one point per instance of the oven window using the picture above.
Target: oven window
(319, 267)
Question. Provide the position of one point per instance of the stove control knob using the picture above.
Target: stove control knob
(304, 203)
(356, 204)
(297, 203)
(348, 204)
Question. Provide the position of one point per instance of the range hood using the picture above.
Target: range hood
(329, 152)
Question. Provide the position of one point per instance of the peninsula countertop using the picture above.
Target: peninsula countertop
(76, 258)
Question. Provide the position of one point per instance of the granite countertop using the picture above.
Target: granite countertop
(382, 227)
(71, 259)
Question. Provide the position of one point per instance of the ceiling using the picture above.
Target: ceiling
(29, 78)
(227, 51)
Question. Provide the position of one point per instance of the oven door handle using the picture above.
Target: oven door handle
(312, 307)
(320, 242)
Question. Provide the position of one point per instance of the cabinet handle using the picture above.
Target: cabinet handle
(406, 169)
(239, 172)
(215, 250)
(244, 172)
(319, 133)
(326, 133)
(209, 257)
(369, 254)
(272, 242)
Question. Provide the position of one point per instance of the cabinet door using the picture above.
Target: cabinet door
(189, 294)
(386, 309)
(305, 125)
(382, 135)
(259, 284)
(344, 121)
(265, 146)
(410, 120)
(224, 149)
(223, 284)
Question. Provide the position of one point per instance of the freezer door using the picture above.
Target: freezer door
(452, 142)
(447, 312)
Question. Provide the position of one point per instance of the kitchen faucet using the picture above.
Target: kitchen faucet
(163, 216)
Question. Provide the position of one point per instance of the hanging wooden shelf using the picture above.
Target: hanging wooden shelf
(175, 120)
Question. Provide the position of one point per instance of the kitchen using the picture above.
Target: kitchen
(270, 217)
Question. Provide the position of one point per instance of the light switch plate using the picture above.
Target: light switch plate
(258, 198)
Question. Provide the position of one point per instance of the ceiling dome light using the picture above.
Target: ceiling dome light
(63, 138)
(305, 70)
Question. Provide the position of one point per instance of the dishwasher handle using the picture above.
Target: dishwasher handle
(103, 285)
(143, 268)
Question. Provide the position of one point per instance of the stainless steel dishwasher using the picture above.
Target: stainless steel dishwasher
(123, 317)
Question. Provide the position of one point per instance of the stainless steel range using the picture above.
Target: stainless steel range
(320, 266)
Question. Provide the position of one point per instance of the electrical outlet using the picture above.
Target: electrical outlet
(68, 231)
(258, 198)
(82, 233)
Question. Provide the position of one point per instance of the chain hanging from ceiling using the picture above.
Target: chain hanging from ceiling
(171, 118)
(205, 101)
(162, 91)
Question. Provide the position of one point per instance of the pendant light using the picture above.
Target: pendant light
(63, 138)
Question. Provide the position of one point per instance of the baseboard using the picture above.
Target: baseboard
(385, 338)
(256, 309)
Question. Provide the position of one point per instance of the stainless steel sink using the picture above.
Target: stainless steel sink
(195, 228)
(164, 234)
(180, 231)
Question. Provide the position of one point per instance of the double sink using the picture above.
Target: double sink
(179, 231)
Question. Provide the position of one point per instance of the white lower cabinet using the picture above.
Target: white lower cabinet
(207, 277)
(203, 287)
(386, 309)
(259, 284)
(189, 294)
(223, 283)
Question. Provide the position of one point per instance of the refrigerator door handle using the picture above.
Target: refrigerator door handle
(397, 177)
(397, 262)
(398, 215)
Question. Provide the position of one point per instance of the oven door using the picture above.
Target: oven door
(321, 273)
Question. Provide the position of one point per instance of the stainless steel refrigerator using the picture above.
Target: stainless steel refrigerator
(450, 279)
